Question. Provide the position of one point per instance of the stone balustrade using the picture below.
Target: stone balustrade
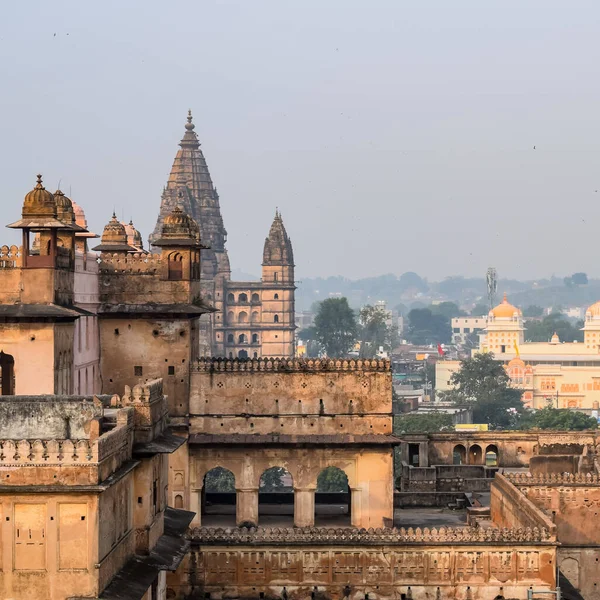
(48, 452)
(10, 257)
(520, 479)
(322, 535)
(288, 365)
(132, 262)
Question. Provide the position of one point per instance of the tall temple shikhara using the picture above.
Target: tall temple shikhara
(252, 318)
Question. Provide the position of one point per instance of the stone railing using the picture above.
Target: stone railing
(289, 365)
(10, 257)
(47, 452)
(146, 393)
(116, 441)
(519, 479)
(319, 535)
(133, 262)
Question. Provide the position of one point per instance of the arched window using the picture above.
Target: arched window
(242, 339)
(332, 499)
(243, 354)
(7, 374)
(230, 297)
(276, 319)
(230, 338)
(243, 317)
(276, 496)
(230, 317)
(276, 276)
(256, 355)
(255, 297)
(475, 455)
(255, 338)
(255, 316)
(175, 266)
(243, 298)
(459, 455)
(218, 498)
(491, 456)
(178, 501)
(276, 297)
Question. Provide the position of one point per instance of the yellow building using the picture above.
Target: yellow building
(553, 373)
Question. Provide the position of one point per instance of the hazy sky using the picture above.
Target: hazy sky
(392, 135)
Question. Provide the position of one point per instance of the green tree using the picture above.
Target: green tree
(542, 331)
(219, 480)
(447, 309)
(423, 423)
(483, 382)
(480, 310)
(375, 332)
(424, 327)
(533, 310)
(332, 479)
(557, 418)
(272, 480)
(336, 327)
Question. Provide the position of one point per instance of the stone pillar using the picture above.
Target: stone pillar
(423, 454)
(196, 506)
(304, 507)
(246, 506)
(356, 507)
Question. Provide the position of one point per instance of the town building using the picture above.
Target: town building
(552, 373)
(252, 318)
(467, 328)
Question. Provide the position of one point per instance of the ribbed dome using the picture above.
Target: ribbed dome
(79, 215)
(505, 309)
(39, 202)
(114, 233)
(64, 208)
(179, 225)
(134, 237)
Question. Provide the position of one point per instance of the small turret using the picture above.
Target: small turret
(114, 237)
(278, 255)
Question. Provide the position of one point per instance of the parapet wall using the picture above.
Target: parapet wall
(288, 365)
(511, 509)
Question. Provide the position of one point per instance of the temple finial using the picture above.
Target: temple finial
(189, 125)
(39, 181)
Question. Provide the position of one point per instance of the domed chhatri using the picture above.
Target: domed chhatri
(505, 310)
(65, 212)
(39, 202)
(179, 229)
(593, 310)
(114, 237)
(134, 237)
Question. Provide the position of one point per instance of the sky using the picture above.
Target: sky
(430, 136)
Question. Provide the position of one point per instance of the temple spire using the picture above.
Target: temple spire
(189, 139)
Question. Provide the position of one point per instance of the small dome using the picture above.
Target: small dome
(505, 310)
(114, 233)
(555, 339)
(39, 202)
(79, 215)
(134, 237)
(594, 310)
(179, 225)
(516, 363)
(64, 208)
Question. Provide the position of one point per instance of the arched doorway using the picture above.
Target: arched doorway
(475, 455)
(491, 456)
(276, 498)
(459, 455)
(175, 266)
(219, 498)
(243, 354)
(7, 374)
(332, 499)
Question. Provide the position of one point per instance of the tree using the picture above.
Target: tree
(447, 309)
(219, 480)
(375, 332)
(480, 310)
(272, 480)
(542, 331)
(332, 479)
(411, 280)
(424, 327)
(423, 423)
(533, 310)
(335, 326)
(557, 418)
(484, 383)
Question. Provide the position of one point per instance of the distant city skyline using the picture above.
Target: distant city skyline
(439, 138)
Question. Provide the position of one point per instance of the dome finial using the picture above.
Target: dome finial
(39, 184)
(189, 125)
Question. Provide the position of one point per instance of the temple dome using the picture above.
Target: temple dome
(134, 237)
(39, 202)
(179, 225)
(278, 246)
(64, 208)
(505, 309)
(594, 310)
(114, 237)
(79, 215)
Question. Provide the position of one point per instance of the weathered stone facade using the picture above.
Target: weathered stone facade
(254, 318)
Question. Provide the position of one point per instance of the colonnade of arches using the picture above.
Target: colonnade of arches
(277, 501)
(473, 454)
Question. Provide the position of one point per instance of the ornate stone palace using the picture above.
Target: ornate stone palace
(252, 318)
(116, 436)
